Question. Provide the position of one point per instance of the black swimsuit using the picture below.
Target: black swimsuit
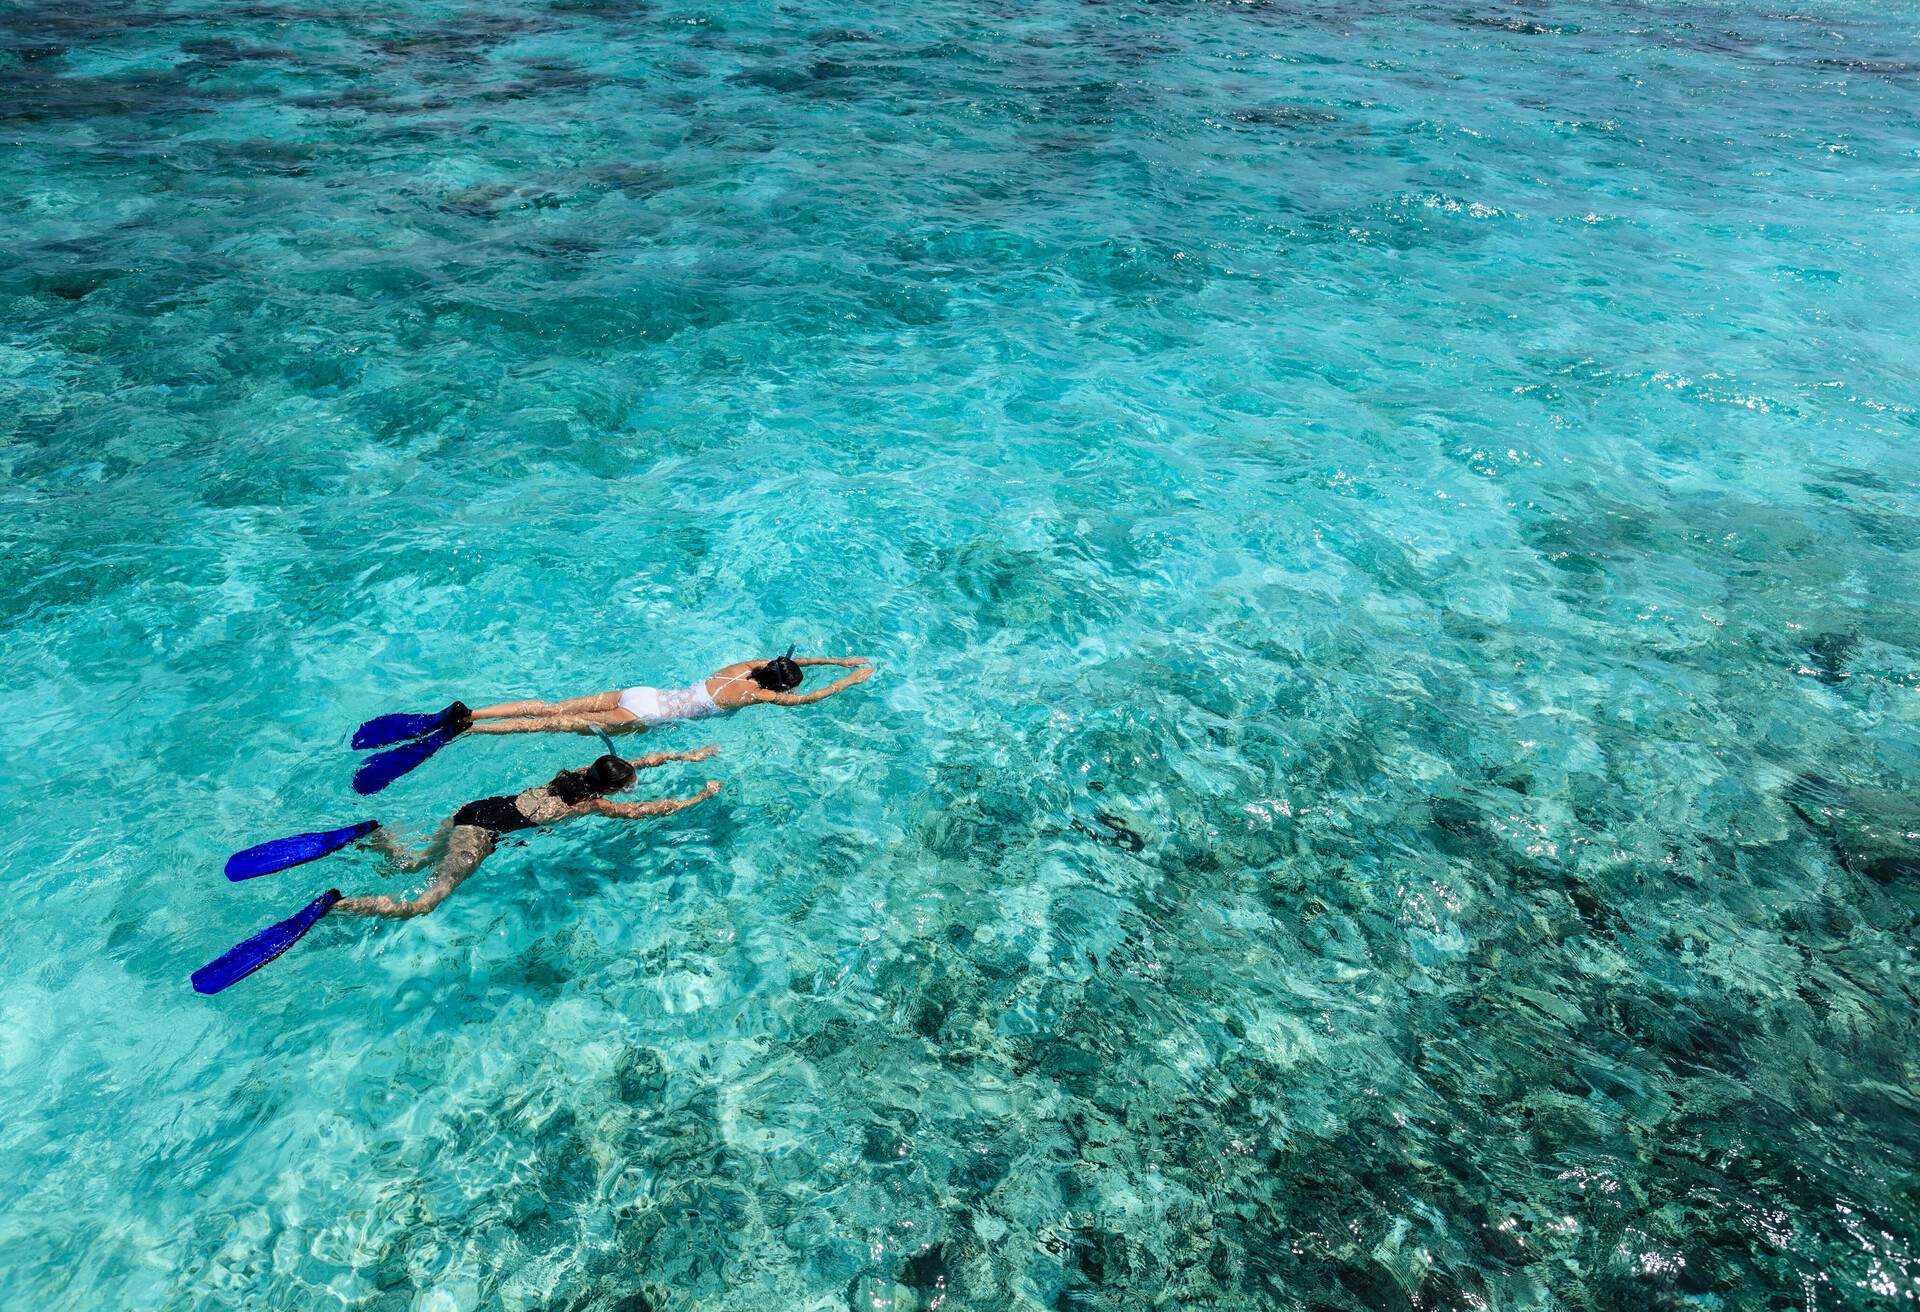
(496, 815)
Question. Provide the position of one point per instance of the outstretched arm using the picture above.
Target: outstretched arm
(860, 675)
(643, 810)
(655, 759)
(848, 661)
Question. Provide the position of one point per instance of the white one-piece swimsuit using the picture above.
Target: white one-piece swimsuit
(652, 706)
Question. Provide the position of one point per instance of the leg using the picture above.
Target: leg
(613, 721)
(599, 701)
(402, 858)
(467, 847)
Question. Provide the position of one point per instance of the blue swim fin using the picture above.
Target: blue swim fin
(285, 853)
(248, 956)
(386, 730)
(383, 768)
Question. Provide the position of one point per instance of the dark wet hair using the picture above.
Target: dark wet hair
(609, 774)
(781, 674)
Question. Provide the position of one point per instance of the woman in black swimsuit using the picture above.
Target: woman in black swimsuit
(469, 836)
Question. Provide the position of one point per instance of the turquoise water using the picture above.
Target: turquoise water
(1390, 536)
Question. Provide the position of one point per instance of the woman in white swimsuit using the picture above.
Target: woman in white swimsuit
(409, 739)
(632, 710)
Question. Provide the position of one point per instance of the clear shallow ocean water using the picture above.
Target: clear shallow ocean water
(1390, 536)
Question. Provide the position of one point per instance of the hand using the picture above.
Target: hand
(860, 675)
(713, 786)
(706, 753)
